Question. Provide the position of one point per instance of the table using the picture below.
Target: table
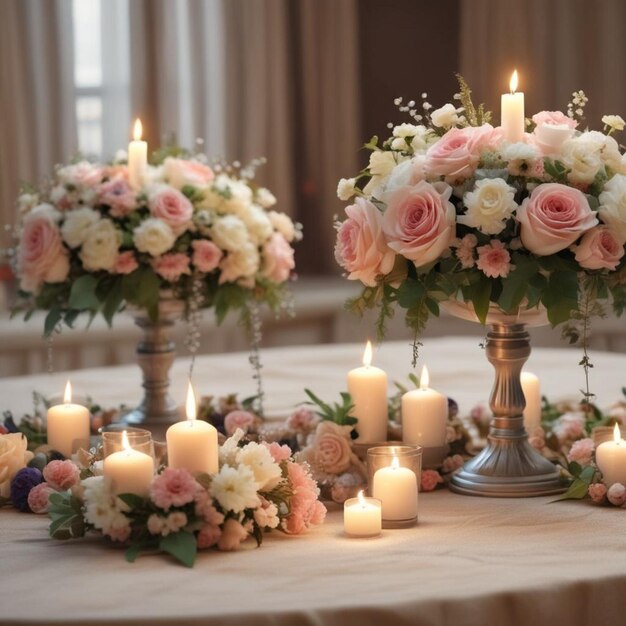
(470, 561)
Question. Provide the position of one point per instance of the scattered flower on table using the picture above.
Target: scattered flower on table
(430, 479)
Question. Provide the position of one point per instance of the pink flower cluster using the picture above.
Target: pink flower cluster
(306, 509)
(58, 476)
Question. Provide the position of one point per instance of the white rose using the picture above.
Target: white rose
(46, 210)
(488, 206)
(153, 236)
(445, 117)
(345, 188)
(283, 224)
(612, 209)
(27, 201)
(381, 163)
(614, 121)
(407, 173)
(240, 197)
(581, 155)
(229, 232)
(550, 137)
(241, 263)
(210, 199)
(405, 130)
(258, 223)
(57, 193)
(265, 197)
(519, 157)
(77, 224)
(100, 246)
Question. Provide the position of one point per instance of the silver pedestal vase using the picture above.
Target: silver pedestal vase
(508, 466)
(155, 354)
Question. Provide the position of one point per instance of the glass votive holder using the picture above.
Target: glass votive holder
(138, 439)
(393, 477)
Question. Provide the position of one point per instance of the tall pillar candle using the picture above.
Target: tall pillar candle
(532, 395)
(68, 426)
(192, 444)
(367, 386)
(137, 158)
(611, 459)
(130, 471)
(512, 113)
(424, 415)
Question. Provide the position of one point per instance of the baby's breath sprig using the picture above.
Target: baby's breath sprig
(576, 107)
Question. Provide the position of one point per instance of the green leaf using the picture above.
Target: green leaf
(479, 294)
(133, 552)
(410, 294)
(132, 499)
(181, 545)
(83, 294)
(52, 319)
(574, 469)
(576, 491)
(112, 304)
(515, 285)
(561, 296)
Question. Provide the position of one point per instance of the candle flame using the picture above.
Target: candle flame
(125, 443)
(191, 403)
(137, 130)
(361, 498)
(424, 378)
(367, 354)
(617, 435)
(395, 464)
(513, 82)
(67, 396)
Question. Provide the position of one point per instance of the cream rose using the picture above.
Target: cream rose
(612, 209)
(445, 117)
(381, 163)
(284, 225)
(582, 157)
(240, 197)
(170, 206)
(153, 236)
(489, 205)
(346, 188)
(100, 246)
(615, 122)
(332, 452)
(265, 197)
(13, 457)
(181, 172)
(258, 223)
(77, 224)
(242, 263)
(229, 232)
(599, 249)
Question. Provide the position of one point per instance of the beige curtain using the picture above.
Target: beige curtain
(558, 46)
(37, 110)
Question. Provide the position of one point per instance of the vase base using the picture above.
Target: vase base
(156, 424)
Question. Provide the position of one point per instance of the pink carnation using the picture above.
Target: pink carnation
(303, 419)
(306, 510)
(465, 250)
(232, 535)
(616, 494)
(61, 475)
(125, 263)
(172, 266)
(494, 259)
(581, 451)
(597, 492)
(171, 206)
(38, 498)
(279, 453)
(430, 479)
(206, 255)
(119, 195)
(173, 487)
(238, 419)
(599, 248)
(278, 259)
(208, 536)
(206, 510)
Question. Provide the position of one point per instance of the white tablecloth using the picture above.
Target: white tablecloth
(470, 561)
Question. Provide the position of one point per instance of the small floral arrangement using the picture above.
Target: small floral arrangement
(90, 241)
(447, 209)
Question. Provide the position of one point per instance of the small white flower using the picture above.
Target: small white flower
(27, 201)
(405, 130)
(229, 449)
(444, 117)
(614, 121)
(519, 157)
(153, 236)
(235, 488)
(381, 163)
(612, 209)
(345, 188)
(100, 246)
(76, 225)
(283, 224)
(489, 205)
(265, 198)
(267, 472)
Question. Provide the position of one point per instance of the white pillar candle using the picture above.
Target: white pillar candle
(68, 425)
(424, 415)
(396, 488)
(367, 386)
(130, 471)
(192, 444)
(611, 459)
(137, 157)
(532, 395)
(362, 516)
(512, 113)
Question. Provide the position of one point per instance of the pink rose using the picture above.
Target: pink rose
(119, 195)
(597, 492)
(181, 172)
(361, 248)
(420, 222)
(332, 451)
(61, 475)
(238, 419)
(554, 118)
(457, 153)
(494, 259)
(171, 206)
(303, 419)
(208, 536)
(173, 487)
(279, 453)
(232, 535)
(82, 174)
(552, 129)
(206, 255)
(172, 266)
(599, 248)
(581, 451)
(616, 494)
(125, 263)
(41, 255)
(38, 498)
(278, 259)
(429, 480)
(553, 218)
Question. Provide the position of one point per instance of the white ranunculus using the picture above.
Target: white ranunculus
(444, 117)
(267, 472)
(153, 236)
(346, 189)
(259, 226)
(381, 163)
(243, 263)
(265, 198)
(612, 209)
(229, 232)
(283, 224)
(616, 122)
(235, 488)
(582, 156)
(77, 224)
(489, 205)
(101, 246)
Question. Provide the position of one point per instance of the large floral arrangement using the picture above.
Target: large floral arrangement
(448, 210)
(90, 241)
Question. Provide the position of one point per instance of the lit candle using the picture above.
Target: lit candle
(611, 459)
(130, 471)
(532, 395)
(192, 444)
(68, 425)
(362, 516)
(367, 386)
(424, 415)
(396, 488)
(512, 112)
(137, 157)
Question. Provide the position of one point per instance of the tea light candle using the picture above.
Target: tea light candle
(611, 459)
(367, 386)
(362, 517)
(137, 157)
(512, 112)
(130, 471)
(424, 415)
(532, 395)
(192, 444)
(396, 488)
(68, 425)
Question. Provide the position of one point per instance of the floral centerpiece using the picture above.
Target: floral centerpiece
(449, 209)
